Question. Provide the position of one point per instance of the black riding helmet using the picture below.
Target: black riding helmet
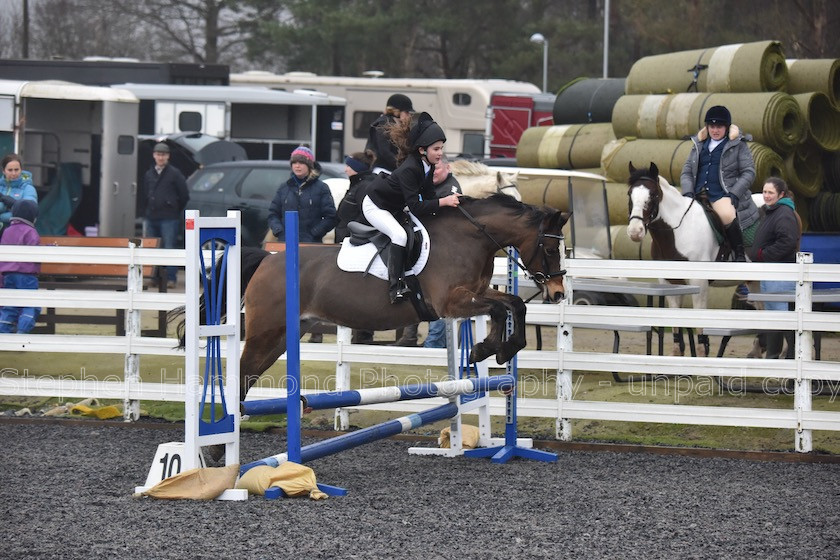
(718, 115)
(425, 133)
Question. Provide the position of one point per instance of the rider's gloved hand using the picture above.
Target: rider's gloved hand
(689, 194)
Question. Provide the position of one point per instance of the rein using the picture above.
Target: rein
(539, 277)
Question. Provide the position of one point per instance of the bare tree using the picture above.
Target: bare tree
(203, 31)
(12, 35)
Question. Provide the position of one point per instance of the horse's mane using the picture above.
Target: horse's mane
(465, 167)
(480, 206)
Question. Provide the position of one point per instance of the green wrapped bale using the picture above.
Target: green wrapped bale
(670, 157)
(743, 67)
(774, 119)
(818, 74)
(567, 146)
(587, 100)
(804, 170)
(823, 119)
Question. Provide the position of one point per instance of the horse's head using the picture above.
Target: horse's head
(506, 184)
(544, 260)
(644, 196)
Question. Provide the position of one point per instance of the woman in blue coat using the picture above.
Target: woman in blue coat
(307, 194)
(15, 184)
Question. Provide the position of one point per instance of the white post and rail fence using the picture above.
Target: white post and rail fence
(804, 372)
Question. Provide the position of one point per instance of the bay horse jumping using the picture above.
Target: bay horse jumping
(678, 226)
(455, 281)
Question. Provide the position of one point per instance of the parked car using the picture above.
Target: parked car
(248, 186)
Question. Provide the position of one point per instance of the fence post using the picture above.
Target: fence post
(804, 351)
(133, 326)
(343, 337)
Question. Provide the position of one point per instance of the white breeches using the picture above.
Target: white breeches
(384, 221)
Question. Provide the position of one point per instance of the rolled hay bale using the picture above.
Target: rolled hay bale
(587, 100)
(774, 119)
(817, 74)
(831, 165)
(668, 155)
(743, 67)
(824, 212)
(804, 171)
(553, 191)
(823, 119)
(767, 164)
(617, 203)
(566, 146)
(625, 248)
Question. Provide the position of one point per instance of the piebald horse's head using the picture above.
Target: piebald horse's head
(644, 196)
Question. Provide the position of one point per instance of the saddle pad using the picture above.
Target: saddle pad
(352, 258)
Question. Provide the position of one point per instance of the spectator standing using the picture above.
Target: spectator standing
(359, 168)
(166, 197)
(445, 184)
(398, 108)
(15, 184)
(777, 240)
(309, 195)
(20, 275)
(720, 166)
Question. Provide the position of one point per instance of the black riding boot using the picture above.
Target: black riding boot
(736, 241)
(397, 289)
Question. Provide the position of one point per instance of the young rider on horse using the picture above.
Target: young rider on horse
(411, 185)
(721, 166)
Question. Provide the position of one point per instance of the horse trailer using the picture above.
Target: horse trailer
(80, 144)
(268, 124)
(459, 106)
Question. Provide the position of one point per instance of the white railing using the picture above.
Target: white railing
(803, 370)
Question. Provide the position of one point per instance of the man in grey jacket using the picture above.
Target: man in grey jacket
(721, 167)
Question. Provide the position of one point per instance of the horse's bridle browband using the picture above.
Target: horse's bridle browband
(539, 277)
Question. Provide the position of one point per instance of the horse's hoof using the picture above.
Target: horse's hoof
(479, 353)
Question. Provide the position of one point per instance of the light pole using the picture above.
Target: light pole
(538, 38)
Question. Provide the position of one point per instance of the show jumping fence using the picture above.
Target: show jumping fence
(803, 371)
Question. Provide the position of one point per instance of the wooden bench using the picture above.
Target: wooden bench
(86, 276)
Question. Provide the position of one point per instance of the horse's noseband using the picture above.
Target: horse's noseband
(543, 277)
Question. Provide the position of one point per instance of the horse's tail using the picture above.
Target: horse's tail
(251, 258)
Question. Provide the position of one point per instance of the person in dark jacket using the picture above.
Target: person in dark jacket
(166, 197)
(359, 168)
(20, 275)
(410, 185)
(721, 166)
(307, 194)
(399, 107)
(777, 240)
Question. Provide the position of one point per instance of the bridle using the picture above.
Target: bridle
(652, 207)
(655, 199)
(540, 278)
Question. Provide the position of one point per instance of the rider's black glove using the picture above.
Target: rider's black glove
(689, 194)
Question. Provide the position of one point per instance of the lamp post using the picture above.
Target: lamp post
(539, 38)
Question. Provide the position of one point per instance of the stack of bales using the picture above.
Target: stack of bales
(789, 108)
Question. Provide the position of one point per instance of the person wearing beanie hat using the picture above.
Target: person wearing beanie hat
(398, 108)
(20, 275)
(720, 168)
(358, 167)
(15, 184)
(166, 196)
(420, 148)
(305, 192)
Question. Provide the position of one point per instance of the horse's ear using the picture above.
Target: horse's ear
(632, 169)
(654, 171)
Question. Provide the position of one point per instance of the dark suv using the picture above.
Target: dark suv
(247, 186)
